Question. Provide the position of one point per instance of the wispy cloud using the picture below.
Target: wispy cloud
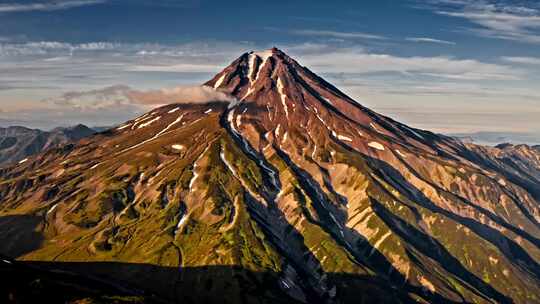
(46, 6)
(336, 34)
(358, 61)
(495, 19)
(122, 95)
(429, 40)
(523, 60)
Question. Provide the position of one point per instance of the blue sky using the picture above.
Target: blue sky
(444, 65)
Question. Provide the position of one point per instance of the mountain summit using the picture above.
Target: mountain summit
(293, 193)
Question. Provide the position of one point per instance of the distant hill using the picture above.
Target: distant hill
(18, 143)
(495, 138)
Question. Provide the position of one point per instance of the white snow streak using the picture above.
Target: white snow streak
(195, 165)
(178, 147)
(142, 117)
(179, 119)
(264, 55)
(146, 124)
(376, 145)
(327, 100)
(400, 154)
(283, 97)
(52, 209)
(228, 164)
(181, 222)
(23, 161)
(123, 127)
(155, 136)
(342, 137)
(219, 81)
(375, 127)
(174, 110)
(208, 111)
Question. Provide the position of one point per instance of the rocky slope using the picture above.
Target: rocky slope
(294, 193)
(17, 143)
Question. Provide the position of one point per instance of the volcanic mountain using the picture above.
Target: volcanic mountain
(292, 193)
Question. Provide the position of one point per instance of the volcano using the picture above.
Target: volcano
(293, 193)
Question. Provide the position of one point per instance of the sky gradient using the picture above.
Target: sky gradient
(449, 66)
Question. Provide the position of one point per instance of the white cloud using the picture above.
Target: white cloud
(351, 60)
(373, 78)
(523, 60)
(121, 95)
(181, 94)
(496, 19)
(46, 6)
(335, 34)
(429, 40)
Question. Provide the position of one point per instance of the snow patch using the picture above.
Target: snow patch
(227, 163)
(23, 161)
(7, 262)
(283, 96)
(181, 222)
(146, 124)
(52, 209)
(400, 154)
(219, 81)
(372, 125)
(174, 110)
(502, 182)
(141, 117)
(208, 111)
(123, 127)
(94, 166)
(195, 165)
(179, 119)
(178, 147)
(342, 137)
(376, 145)
(155, 136)
(264, 55)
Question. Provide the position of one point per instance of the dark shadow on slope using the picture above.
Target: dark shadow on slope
(26, 282)
(508, 247)
(19, 235)
(531, 187)
(362, 251)
(148, 283)
(431, 248)
(492, 216)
